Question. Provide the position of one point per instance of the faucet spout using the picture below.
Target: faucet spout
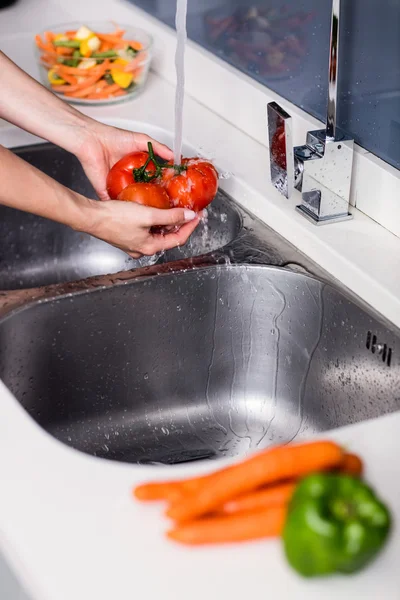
(333, 72)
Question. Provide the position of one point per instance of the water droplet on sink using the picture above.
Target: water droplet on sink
(225, 175)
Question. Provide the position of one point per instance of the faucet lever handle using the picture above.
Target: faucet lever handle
(281, 148)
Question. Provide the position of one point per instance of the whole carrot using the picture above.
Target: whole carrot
(281, 493)
(277, 495)
(164, 490)
(270, 466)
(228, 529)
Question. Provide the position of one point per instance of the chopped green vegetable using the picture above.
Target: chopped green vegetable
(66, 43)
(335, 523)
(108, 54)
(108, 78)
(131, 51)
(130, 87)
(70, 62)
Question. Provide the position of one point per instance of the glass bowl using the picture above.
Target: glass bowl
(112, 70)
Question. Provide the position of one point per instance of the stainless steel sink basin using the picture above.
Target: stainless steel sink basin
(36, 252)
(197, 364)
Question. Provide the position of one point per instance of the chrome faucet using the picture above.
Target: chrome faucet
(322, 168)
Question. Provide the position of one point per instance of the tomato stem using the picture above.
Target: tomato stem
(179, 169)
(142, 176)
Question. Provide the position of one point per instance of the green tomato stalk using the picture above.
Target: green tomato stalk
(141, 175)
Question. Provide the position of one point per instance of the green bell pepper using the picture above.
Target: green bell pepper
(335, 523)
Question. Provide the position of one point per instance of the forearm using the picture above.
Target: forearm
(29, 105)
(25, 188)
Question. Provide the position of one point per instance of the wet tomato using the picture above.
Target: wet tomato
(148, 194)
(122, 173)
(278, 147)
(193, 185)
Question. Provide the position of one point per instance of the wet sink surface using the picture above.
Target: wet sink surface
(36, 252)
(199, 364)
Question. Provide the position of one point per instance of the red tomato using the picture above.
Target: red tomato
(148, 194)
(278, 147)
(193, 188)
(121, 174)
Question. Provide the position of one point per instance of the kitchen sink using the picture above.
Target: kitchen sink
(198, 363)
(36, 252)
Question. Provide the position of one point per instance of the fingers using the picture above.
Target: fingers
(161, 242)
(159, 149)
(102, 195)
(172, 216)
(180, 237)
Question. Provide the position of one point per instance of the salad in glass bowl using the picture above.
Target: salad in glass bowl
(94, 63)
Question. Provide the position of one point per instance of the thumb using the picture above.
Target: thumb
(173, 216)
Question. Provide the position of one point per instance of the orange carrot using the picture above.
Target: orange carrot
(262, 499)
(47, 60)
(102, 67)
(165, 490)
(64, 51)
(105, 46)
(78, 86)
(228, 529)
(270, 466)
(110, 89)
(105, 96)
(70, 34)
(83, 72)
(173, 490)
(119, 93)
(134, 43)
(86, 91)
(44, 46)
(351, 464)
(70, 79)
(109, 37)
(49, 37)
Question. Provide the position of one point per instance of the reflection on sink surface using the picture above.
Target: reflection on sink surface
(199, 364)
(36, 251)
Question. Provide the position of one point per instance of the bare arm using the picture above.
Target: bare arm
(26, 103)
(122, 224)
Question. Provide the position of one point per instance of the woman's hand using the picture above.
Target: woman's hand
(125, 225)
(97, 146)
(128, 226)
(103, 146)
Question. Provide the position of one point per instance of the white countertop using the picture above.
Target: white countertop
(71, 529)
(67, 522)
